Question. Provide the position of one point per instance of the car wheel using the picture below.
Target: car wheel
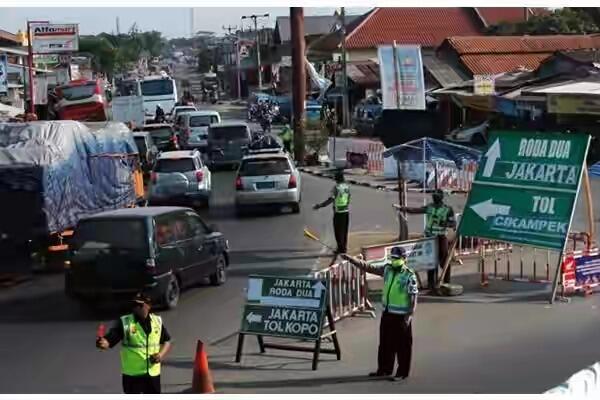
(220, 275)
(296, 208)
(172, 292)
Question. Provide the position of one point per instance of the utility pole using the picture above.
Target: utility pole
(298, 80)
(235, 42)
(254, 18)
(118, 27)
(345, 105)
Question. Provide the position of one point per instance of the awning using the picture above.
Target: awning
(443, 73)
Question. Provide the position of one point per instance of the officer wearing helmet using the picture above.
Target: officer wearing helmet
(340, 198)
(399, 300)
(440, 217)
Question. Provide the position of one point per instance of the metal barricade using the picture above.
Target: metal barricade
(347, 289)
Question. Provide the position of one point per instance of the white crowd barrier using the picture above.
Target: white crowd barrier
(347, 289)
(585, 383)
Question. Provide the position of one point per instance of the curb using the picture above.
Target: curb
(326, 174)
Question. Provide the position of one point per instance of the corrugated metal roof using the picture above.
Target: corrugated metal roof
(427, 26)
(581, 87)
(313, 25)
(521, 44)
(480, 64)
(365, 73)
(443, 73)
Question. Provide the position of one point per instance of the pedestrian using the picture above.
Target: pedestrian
(400, 291)
(286, 137)
(440, 217)
(145, 342)
(340, 198)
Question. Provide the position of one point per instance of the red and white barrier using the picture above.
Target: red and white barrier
(375, 162)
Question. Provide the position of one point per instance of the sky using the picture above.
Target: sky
(172, 22)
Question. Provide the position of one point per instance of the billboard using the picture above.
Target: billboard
(47, 38)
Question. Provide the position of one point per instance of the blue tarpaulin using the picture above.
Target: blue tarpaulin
(594, 170)
(429, 149)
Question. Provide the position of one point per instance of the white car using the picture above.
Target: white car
(267, 179)
(178, 110)
(193, 128)
(475, 135)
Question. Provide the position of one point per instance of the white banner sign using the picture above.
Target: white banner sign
(422, 254)
(49, 38)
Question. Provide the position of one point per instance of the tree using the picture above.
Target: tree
(562, 21)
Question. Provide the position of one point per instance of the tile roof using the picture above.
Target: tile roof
(411, 25)
(496, 15)
(495, 54)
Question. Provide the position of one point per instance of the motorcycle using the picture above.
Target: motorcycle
(266, 120)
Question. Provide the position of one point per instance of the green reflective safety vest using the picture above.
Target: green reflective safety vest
(286, 135)
(436, 220)
(341, 202)
(137, 346)
(399, 283)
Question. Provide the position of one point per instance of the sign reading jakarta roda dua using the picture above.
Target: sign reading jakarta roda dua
(286, 307)
(525, 188)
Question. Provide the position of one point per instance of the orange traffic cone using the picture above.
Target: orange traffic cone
(201, 378)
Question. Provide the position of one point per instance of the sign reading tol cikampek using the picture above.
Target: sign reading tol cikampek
(526, 187)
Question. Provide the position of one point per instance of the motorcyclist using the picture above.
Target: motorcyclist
(159, 114)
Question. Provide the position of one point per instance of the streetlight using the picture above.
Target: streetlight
(254, 18)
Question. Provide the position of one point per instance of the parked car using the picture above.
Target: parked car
(366, 115)
(180, 109)
(474, 135)
(193, 128)
(147, 150)
(180, 178)
(267, 179)
(227, 143)
(159, 250)
(163, 136)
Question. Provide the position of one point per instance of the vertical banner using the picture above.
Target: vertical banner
(3, 73)
(402, 80)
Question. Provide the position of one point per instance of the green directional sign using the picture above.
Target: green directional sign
(526, 188)
(290, 322)
(286, 291)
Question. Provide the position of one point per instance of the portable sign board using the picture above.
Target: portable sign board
(287, 307)
(525, 188)
(47, 38)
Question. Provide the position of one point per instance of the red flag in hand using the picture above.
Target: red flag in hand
(101, 331)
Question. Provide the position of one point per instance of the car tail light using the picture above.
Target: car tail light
(199, 176)
(238, 183)
(293, 183)
(153, 177)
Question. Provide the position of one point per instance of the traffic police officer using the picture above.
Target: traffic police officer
(286, 136)
(340, 198)
(145, 343)
(440, 217)
(399, 298)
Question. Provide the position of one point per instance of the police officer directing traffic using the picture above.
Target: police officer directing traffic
(439, 218)
(399, 298)
(145, 343)
(340, 198)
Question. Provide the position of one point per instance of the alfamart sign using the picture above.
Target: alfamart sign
(49, 38)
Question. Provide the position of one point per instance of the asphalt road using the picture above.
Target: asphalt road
(47, 341)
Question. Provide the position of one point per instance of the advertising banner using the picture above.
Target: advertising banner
(402, 80)
(3, 73)
(47, 38)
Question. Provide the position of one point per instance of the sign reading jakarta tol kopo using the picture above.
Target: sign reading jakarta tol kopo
(286, 307)
(47, 38)
(526, 187)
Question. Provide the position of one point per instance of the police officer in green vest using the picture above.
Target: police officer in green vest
(340, 198)
(144, 344)
(440, 217)
(286, 136)
(399, 299)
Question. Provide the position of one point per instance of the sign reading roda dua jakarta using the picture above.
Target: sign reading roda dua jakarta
(526, 187)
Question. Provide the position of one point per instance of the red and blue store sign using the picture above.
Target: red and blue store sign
(581, 272)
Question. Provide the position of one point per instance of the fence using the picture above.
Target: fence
(585, 383)
(347, 290)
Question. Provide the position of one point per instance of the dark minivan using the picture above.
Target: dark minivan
(158, 250)
(228, 142)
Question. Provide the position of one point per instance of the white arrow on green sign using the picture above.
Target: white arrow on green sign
(282, 291)
(526, 188)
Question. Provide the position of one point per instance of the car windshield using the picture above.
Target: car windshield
(203, 120)
(161, 133)
(166, 165)
(265, 166)
(78, 92)
(118, 233)
(229, 132)
(157, 87)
